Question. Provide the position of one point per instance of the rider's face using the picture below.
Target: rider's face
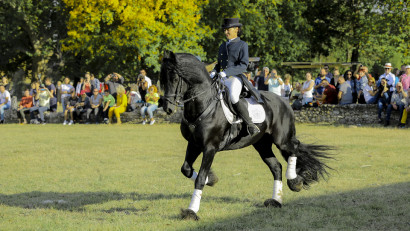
(231, 33)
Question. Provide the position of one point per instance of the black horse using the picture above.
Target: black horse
(185, 80)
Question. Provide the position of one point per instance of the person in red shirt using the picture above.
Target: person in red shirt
(25, 104)
(329, 95)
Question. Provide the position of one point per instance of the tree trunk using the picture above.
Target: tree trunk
(355, 57)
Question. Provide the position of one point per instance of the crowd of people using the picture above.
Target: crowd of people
(390, 92)
(90, 101)
(104, 100)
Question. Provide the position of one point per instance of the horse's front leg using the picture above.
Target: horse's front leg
(192, 153)
(208, 157)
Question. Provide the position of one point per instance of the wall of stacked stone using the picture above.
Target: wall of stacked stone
(353, 114)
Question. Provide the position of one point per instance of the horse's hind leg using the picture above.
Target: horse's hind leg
(192, 153)
(264, 147)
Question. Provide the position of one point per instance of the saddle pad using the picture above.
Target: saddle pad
(256, 111)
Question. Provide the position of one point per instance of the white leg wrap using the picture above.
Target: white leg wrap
(277, 191)
(195, 175)
(195, 200)
(291, 171)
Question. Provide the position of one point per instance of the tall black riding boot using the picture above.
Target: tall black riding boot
(242, 110)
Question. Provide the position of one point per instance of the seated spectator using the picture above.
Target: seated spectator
(120, 107)
(142, 86)
(52, 89)
(43, 104)
(329, 95)
(143, 74)
(79, 86)
(286, 87)
(333, 81)
(406, 111)
(95, 83)
(134, 98)
(383, 98)
(405, 79)
(6, 83)
(323, 75)
(112, 81)
(363, 81)
(24, 107)
(70, 101)
(96, 104)
(345, 92)
(261, 79)
(108, 102)
(66, 89)
(307, 89)
(396, 104)
(370, 91)
(151, 98)
(274, 83)
(355, 86)
(296, 92)
(390, 78)
(5, 102)
(86, 87)
(83, 106)
(328, 72)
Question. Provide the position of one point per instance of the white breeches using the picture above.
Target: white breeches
(234, 85)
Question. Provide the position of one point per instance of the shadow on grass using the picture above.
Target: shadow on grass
(381, 208)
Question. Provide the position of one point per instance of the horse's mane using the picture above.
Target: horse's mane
(189, 65)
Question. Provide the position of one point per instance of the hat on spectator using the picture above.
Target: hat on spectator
(388, 65)
(408, 67)
(82, 92)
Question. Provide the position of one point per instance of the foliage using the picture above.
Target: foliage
(123, 36)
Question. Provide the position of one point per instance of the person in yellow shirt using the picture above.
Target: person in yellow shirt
(121, 105)
(151, 98)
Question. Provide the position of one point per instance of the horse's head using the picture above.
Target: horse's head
(173, 84)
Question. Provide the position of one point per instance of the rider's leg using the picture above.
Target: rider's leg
(234, 85)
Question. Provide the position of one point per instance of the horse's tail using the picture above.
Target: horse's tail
(310, 165)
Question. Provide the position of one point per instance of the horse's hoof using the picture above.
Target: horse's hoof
(212, 178)
(296, 184)
(188, 214)
(272, 203)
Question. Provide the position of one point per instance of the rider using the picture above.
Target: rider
(233, 59)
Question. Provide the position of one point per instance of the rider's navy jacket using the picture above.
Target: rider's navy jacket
(233, 58)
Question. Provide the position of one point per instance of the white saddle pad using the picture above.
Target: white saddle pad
(256, 111)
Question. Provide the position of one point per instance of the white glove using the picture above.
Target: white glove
(222, 74)
(212, 74)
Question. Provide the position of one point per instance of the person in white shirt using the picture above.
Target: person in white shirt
(274, 83)
(5, 102)
(134, 98)
(43, 104)
(65, 91)
(307, 89)
(286, 88)
(143, 73)
(390, 78)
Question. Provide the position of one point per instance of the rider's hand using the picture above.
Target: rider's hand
(212, 74)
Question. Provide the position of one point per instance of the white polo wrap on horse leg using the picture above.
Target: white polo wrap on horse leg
(291, 171)
(195, 200)
(277, 191)
(195, 175)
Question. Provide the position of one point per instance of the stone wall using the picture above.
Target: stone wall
(354, 114)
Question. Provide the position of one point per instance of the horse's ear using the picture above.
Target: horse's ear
(169, 55)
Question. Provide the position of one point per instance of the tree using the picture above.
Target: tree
(123, 36)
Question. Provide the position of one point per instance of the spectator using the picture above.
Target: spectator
(355, 86)
(345, 92)
(328, 73)
(83, 106)
(286, 87)
(5, 102)
(295, 94)
(363, 83)
(52, 89)
(79, 86)
(109, 102)
(24, 107)
(43, 104)
(406, 111)
(405, 79)
(66, 89)
(142, 86)
(390, 78)
(333, 81)
(249, 77)
(121, 105)
(71, 102)
(323, 75)
(58, 90)
(396, 104)
(370, 91)
(348, 75)
(134, 98)
(274, 83)
(384, 98)
(87, 85)
(113, 81)
(261, 78)
(6, 83)
(143, 74)
(307, 89)
(151, 98)
(95, 83)
(329, 95)
(96, 103)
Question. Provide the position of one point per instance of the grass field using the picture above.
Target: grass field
(90, 177)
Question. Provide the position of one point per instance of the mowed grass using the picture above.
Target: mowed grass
(97, 177)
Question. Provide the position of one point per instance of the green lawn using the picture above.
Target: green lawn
(98, 177)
